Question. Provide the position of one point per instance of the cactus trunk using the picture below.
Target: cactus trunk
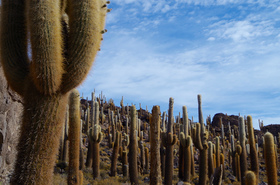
(133, 171)
(74, 138)
(39, 140)
(155, 174)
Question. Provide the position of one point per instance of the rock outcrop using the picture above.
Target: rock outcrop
(10, 113)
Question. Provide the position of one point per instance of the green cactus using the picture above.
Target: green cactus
(192, 160)
(185, 140)
(169, 139)
(125, 144)
(218, 162)
(95, 136)
(237, 162)
(181, 154)
(155, 173)
(147, 161)
(250, 178)
(60, 62)
(232, 154)
(200, 142)
(115, 154)
(270, 161)
(133, 170)
(210, 160)
(202, 147)
(243, 156)
(142, 152)
(253, 151)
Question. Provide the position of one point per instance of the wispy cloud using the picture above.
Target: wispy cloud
(164, 49)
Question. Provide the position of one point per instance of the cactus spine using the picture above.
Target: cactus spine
(169, 140)
(74, 137)
(270, 162)
(253, 151)
(155, 173)
(133, 171)
(60, 62)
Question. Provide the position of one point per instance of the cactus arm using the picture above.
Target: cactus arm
(46, 68)
(197, 139)
(14, 44)
(96, 113)
(170, 115)
(200, 115)
(185, 120)
(86, 18)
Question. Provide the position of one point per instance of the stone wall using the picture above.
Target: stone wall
(10, 114)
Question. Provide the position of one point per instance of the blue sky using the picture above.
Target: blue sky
(226, 50)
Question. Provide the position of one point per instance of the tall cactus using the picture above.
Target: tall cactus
(270, 162)
(74, 137)
(200, 142)
(95, 136)
(210, 159)
(60, 62)
(133, 170)
(115, 154)
(125, 144)
(243, 156)
(218, 161)
(253, 151)
(233, 166)
(237, 161)
(155, 174)
(169, 139)
(185, 140)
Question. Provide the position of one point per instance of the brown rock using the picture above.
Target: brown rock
(10, 113)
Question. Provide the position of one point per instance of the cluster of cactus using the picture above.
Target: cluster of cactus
(129, 146)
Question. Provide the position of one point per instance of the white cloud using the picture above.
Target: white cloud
(241, 31)
(236, 71)
(211, 39)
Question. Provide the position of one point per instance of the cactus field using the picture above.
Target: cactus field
(122, 145)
